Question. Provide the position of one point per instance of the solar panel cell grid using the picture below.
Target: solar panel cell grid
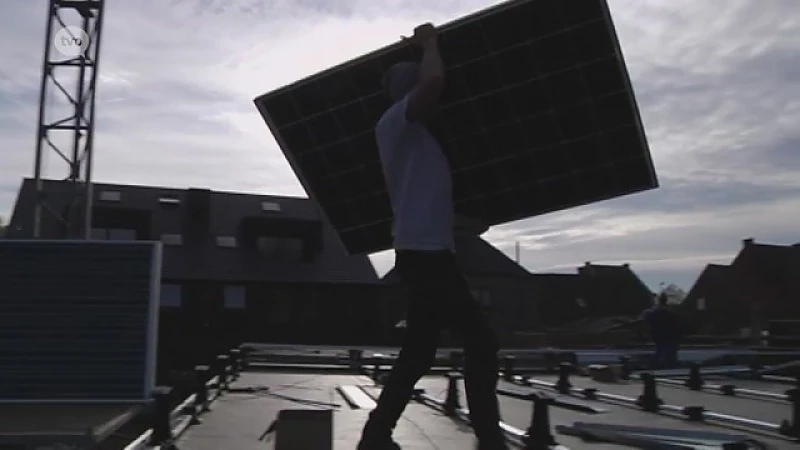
(537, 116)
(75, 320)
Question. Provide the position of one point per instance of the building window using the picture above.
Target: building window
(171, 296)
(235, 297)
(172, 239)
(226, 241)
(110, 196)
(169, 201)
(701, 304)
(270, 206)
(482, 296)
(280, 249)
(121, 234)
(113, 234)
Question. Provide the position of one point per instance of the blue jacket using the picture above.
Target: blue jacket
(663, 323)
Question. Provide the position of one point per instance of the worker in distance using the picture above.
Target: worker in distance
(666, 327)
(419, 184)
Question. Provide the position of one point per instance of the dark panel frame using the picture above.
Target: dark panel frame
(310, 82)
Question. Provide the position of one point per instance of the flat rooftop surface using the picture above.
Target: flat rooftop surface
(687, 353)
(239, 419)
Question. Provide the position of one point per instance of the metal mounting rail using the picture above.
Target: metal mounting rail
(179, 419)
(728, 389)
(696, 382)
(679, 410)
(169, 425)
(463, 414)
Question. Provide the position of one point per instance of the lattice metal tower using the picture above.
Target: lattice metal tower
(67, 109)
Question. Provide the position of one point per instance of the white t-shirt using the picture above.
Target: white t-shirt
(419, 182)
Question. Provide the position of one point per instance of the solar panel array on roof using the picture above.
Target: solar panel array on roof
(78, 320)
(538, 116)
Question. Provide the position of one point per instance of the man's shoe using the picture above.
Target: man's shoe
(374, 436)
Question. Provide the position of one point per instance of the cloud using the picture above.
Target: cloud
(716, 83)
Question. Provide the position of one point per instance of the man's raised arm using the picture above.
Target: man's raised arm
(424, 98)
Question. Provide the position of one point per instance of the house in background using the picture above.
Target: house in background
(518, 302)
(709, 298)
(595, 292)
(559, 299)
(761, 284)
(502, 287)
(613, 290)
(236, 267)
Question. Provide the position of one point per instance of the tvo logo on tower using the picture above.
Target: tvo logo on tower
(71, 41)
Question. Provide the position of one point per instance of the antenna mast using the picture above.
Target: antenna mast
(66, 114)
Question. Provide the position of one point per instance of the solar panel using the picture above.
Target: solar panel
(538, 116)
(78, 320)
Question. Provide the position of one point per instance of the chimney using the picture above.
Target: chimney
(197, 212)
(587, 264)
(747, 242)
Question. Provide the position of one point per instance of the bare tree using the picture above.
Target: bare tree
(675, 294)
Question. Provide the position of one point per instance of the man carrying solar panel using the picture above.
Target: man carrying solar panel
(420, 190)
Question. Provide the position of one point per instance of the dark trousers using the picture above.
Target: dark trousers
(439, 297)
(666, 354)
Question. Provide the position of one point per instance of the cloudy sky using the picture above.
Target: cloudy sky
(718, 83)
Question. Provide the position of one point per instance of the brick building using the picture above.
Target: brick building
(519, 302)
(762, 283)
(236, 267)
(596, 291)
(501, 286)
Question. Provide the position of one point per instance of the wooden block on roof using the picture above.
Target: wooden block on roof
(603, 373)
(304, 429)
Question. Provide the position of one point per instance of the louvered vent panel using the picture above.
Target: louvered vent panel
(78, 319)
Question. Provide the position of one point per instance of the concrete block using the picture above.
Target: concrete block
(304, 429)
(603, 373)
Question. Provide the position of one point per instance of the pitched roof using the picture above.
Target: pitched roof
(558, 297)
(772, 273)
(714, 279)
(761, 276)
(205, 260)
(477, 258)
(595, 291)
(778, 265)
(481, 258)
(613, 290)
